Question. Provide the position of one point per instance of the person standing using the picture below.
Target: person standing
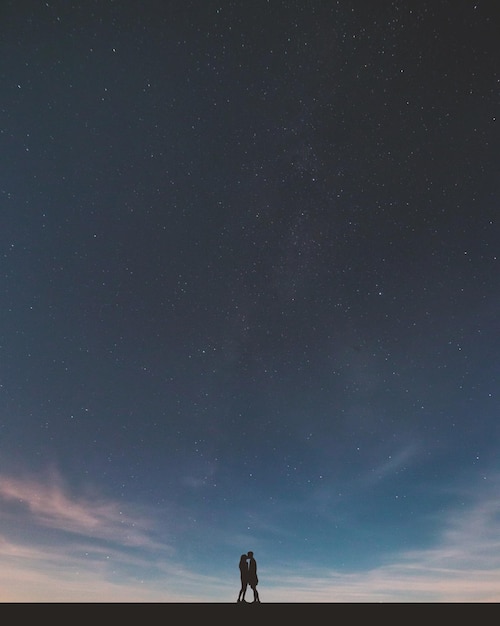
(243, 577)
(253, 580)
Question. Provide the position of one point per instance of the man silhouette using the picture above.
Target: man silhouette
(253, 581)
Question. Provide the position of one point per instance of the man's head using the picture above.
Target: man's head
(250, 555)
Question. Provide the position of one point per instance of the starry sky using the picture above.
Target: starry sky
(250, 282)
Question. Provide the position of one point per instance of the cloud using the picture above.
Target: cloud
(57, 546)
(463, 565)
(395, 462)
(45, 502)
(110, 556)
(86, 573)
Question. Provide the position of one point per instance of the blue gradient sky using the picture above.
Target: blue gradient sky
(250, 284)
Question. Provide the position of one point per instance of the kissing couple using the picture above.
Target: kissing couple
(248, 576)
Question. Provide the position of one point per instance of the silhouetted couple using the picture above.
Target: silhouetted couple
(248, 575)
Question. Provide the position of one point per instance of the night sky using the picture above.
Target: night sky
(250, 300)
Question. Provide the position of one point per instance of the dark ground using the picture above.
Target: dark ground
(220, 611)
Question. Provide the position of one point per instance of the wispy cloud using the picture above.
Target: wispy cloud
(86, 573)
(111, 556)
(46, 502)
(462, 566)
(396, 461)
(60, 546)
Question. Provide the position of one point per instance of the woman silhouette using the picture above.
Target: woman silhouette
(244, 577)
